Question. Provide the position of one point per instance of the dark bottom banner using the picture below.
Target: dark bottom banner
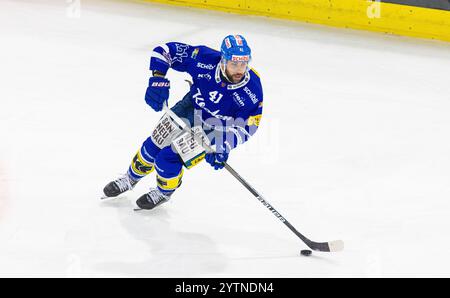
(235, 287)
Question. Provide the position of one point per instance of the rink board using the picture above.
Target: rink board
(436, 4)
(356, 14)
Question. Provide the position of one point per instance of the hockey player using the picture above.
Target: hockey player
(225, 101)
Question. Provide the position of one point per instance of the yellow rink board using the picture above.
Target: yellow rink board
(356, 14)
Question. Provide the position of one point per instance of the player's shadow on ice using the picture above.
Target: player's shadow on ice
(170, 253)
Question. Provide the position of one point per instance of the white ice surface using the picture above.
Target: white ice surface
(353, 145)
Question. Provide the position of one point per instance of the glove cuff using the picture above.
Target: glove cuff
(159, 74)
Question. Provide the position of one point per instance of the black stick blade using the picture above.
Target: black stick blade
(332, 246)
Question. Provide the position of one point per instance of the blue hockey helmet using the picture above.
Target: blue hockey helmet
(235, 48)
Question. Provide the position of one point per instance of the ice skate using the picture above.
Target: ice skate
(119, 186)
(151, 199)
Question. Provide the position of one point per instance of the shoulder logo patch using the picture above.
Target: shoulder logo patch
(194, 53)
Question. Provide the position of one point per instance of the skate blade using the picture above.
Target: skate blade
(104, 197)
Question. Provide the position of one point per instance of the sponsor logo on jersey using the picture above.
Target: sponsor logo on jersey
(204, 76)
(194, 53)
(244, 58)
(254, 120)
(252, 95)
(198, 98)
(205, 66)
(238, 99)
(260, 104)
(200, 101)
(217, 115)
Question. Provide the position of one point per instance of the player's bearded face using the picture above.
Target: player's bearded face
(235, 70)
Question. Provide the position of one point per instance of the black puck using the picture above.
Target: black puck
(306, 252)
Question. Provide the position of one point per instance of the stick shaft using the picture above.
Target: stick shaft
(324, 246)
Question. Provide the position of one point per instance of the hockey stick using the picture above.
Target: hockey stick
(331, 246)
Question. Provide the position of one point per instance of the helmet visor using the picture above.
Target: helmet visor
(237, 66)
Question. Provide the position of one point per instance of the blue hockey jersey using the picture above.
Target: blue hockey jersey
(234, 109)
